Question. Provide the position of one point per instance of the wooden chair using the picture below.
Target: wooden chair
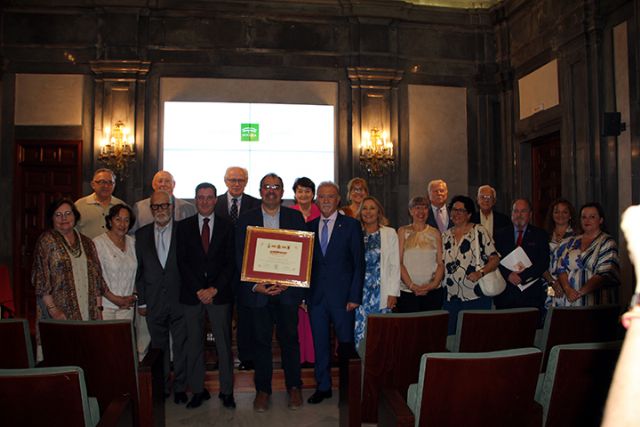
(393, 346)
(571, 325)
(7, 306)
(17, 351)
(55, 397)
(493, 330)
(468, 389)
(105, 350)
(574, 389)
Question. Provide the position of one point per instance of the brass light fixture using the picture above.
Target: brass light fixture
(117, 149)
(376, 153)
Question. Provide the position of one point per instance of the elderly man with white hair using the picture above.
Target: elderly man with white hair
(486, 216)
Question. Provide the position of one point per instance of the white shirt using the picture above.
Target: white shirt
(118, 268)
(487, 222)
(330, 224)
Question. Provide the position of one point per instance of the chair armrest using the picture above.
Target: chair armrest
(119, 413)
(350, 406)
(393, 410)
(535, 415)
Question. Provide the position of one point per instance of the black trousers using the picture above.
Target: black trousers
(285, 319)
(244, 333)
(411, 303)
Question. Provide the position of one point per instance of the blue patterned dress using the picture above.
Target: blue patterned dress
(371, 291)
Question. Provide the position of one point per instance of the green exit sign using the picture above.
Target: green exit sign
(250, 132)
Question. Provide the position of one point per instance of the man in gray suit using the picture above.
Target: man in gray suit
(158, 286)
(162, 180)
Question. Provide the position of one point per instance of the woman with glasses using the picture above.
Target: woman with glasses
(421, 264)
(469, 253)
(117, 254)
(66, 270)
(357, 190)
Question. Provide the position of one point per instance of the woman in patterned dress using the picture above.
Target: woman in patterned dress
(469, 253)
(66, 271)
(587, 265)
(117, 253)
(421, 263)
(382, 259)
(560, 223)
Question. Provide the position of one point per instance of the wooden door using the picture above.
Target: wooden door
(44, 171)
(546, 176)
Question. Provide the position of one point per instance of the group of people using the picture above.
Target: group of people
(169, 262)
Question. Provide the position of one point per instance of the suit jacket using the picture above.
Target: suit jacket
(200, 270)
(500, 220)
(142, 210)
(431, 219)
(154, 283)
(290, 219)
(535, 243)
(338, 275)
(248, 203)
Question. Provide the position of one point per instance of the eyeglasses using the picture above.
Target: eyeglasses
(156, 206)
(235, 180)
(487, 198)
(271, 187)
(358, 190)
(458, 210)
(104, 182)
(63, 214)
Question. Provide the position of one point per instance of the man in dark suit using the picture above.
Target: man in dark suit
(205, 259)
(337, 278)
(439, 214)
(525, 287)
(158, 287)
(231, 205)
(271, 304)
(486, 216)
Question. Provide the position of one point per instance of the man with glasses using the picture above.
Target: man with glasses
(271, 304)
(162, 180)
(526, 287)
(95, 207)
(231, 205)
(206, 262)
(486, 216)
(158, 287)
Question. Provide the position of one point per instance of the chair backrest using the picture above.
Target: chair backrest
(17, 351)
(103, 349)
(394, 345)
(572, 325)
(6, 293)
(478, 389)
(44, 397)
(493, 330)
(575, 387)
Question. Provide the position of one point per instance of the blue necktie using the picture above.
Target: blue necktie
(324, 236)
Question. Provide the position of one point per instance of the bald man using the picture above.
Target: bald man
(162, 181)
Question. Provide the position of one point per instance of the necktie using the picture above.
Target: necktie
(162, 247)
(324, 236)
(519, 241)
(440, 220)
(233, 212)
(205, 235)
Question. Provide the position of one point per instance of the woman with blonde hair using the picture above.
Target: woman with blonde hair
(357, 190)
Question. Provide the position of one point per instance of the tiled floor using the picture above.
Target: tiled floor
(212, 413)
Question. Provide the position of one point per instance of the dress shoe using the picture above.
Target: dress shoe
(295, 398)
(196, 399)
(180, 397)
(319, 396)
(261, 402)
(247, 365)
(227, 400)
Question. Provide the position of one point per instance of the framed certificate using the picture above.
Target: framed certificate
(277, 256)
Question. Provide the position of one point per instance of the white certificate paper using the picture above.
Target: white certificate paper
(516, 261)
(277, 256)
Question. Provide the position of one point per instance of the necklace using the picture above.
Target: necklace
(76, 249)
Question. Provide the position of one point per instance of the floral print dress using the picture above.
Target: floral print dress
(371, 292)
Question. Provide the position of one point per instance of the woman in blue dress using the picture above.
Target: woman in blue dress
(382, 258)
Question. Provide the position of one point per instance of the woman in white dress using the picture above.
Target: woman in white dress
(117, 254)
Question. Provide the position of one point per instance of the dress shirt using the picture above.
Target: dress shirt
(165, 234)
(201, 223)
(441, 214)
(515, 232)
(230, 202)
(330, 224)
(271, 221)
(92, 214)
(487, 222)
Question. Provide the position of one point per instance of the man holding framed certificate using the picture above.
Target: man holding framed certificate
(271, 304)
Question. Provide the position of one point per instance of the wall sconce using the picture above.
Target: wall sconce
(117, 149)
(376, 153)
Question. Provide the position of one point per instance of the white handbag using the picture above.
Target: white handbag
(492, 283)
